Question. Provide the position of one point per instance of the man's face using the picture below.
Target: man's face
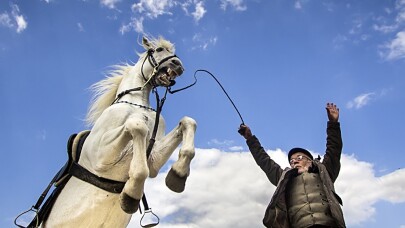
(301, 162)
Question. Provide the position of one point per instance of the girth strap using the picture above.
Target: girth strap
(83, 174)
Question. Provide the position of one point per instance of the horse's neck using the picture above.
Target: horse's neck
(133, 80)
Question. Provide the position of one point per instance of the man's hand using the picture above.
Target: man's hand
(333, 112)
(245, 131)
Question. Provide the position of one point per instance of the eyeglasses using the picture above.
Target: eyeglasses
(298, 158)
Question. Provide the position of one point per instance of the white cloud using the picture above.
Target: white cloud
(297, 5)
(330, 6)
(229, 190)
(339, 40)
(238, 5)
(41, 135)
(357, 33)
(5, 20)
(221, 143)
(236, 148)
(13, 20)
(109, 3)
(395, 49)
(360, 101)
(223, 190)
(199, 11)
(19, 19)
(361, 189)
(400, 6)
(203, 42)
(153, 8)
(21, 23)
(136, 24)
(80, 27)
(383, 25)
(385, 28)
(357, 26)
(184, 5)
(364, 99)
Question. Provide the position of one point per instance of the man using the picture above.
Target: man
(305, 194)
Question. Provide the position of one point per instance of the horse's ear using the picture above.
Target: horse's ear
(145, 43)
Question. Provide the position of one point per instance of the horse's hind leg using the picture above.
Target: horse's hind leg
(177, 176)
(138, 170)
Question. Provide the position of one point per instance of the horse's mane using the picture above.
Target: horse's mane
(105, 91)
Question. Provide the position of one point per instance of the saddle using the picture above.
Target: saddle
(74, 149)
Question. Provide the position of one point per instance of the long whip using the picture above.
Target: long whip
(223, 89)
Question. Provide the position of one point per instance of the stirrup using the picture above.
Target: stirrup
(152, 224)
(33, 209)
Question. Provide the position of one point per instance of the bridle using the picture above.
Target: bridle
(156, 65)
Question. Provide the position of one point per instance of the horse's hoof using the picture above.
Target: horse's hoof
(175, 182)
(128, 204)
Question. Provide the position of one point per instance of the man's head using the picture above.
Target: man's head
(300, 159)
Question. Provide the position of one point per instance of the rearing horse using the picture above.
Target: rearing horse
(115, 149)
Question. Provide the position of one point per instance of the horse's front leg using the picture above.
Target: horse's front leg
(177, 176)
(138, 170)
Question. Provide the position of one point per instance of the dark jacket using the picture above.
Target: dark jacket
(276, 212)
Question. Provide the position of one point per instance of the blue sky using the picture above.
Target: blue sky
(280, 61)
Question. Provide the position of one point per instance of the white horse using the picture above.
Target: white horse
(116, 146)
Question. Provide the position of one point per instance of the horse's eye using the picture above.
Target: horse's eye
(159, 49)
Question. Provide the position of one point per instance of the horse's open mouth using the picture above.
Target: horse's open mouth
(166, 76)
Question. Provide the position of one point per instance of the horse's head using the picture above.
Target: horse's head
(158, 66)
(164, 66)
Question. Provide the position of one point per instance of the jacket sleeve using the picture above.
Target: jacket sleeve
(334, 147)
(272, 170)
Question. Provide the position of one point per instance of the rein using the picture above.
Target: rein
(159, 104)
